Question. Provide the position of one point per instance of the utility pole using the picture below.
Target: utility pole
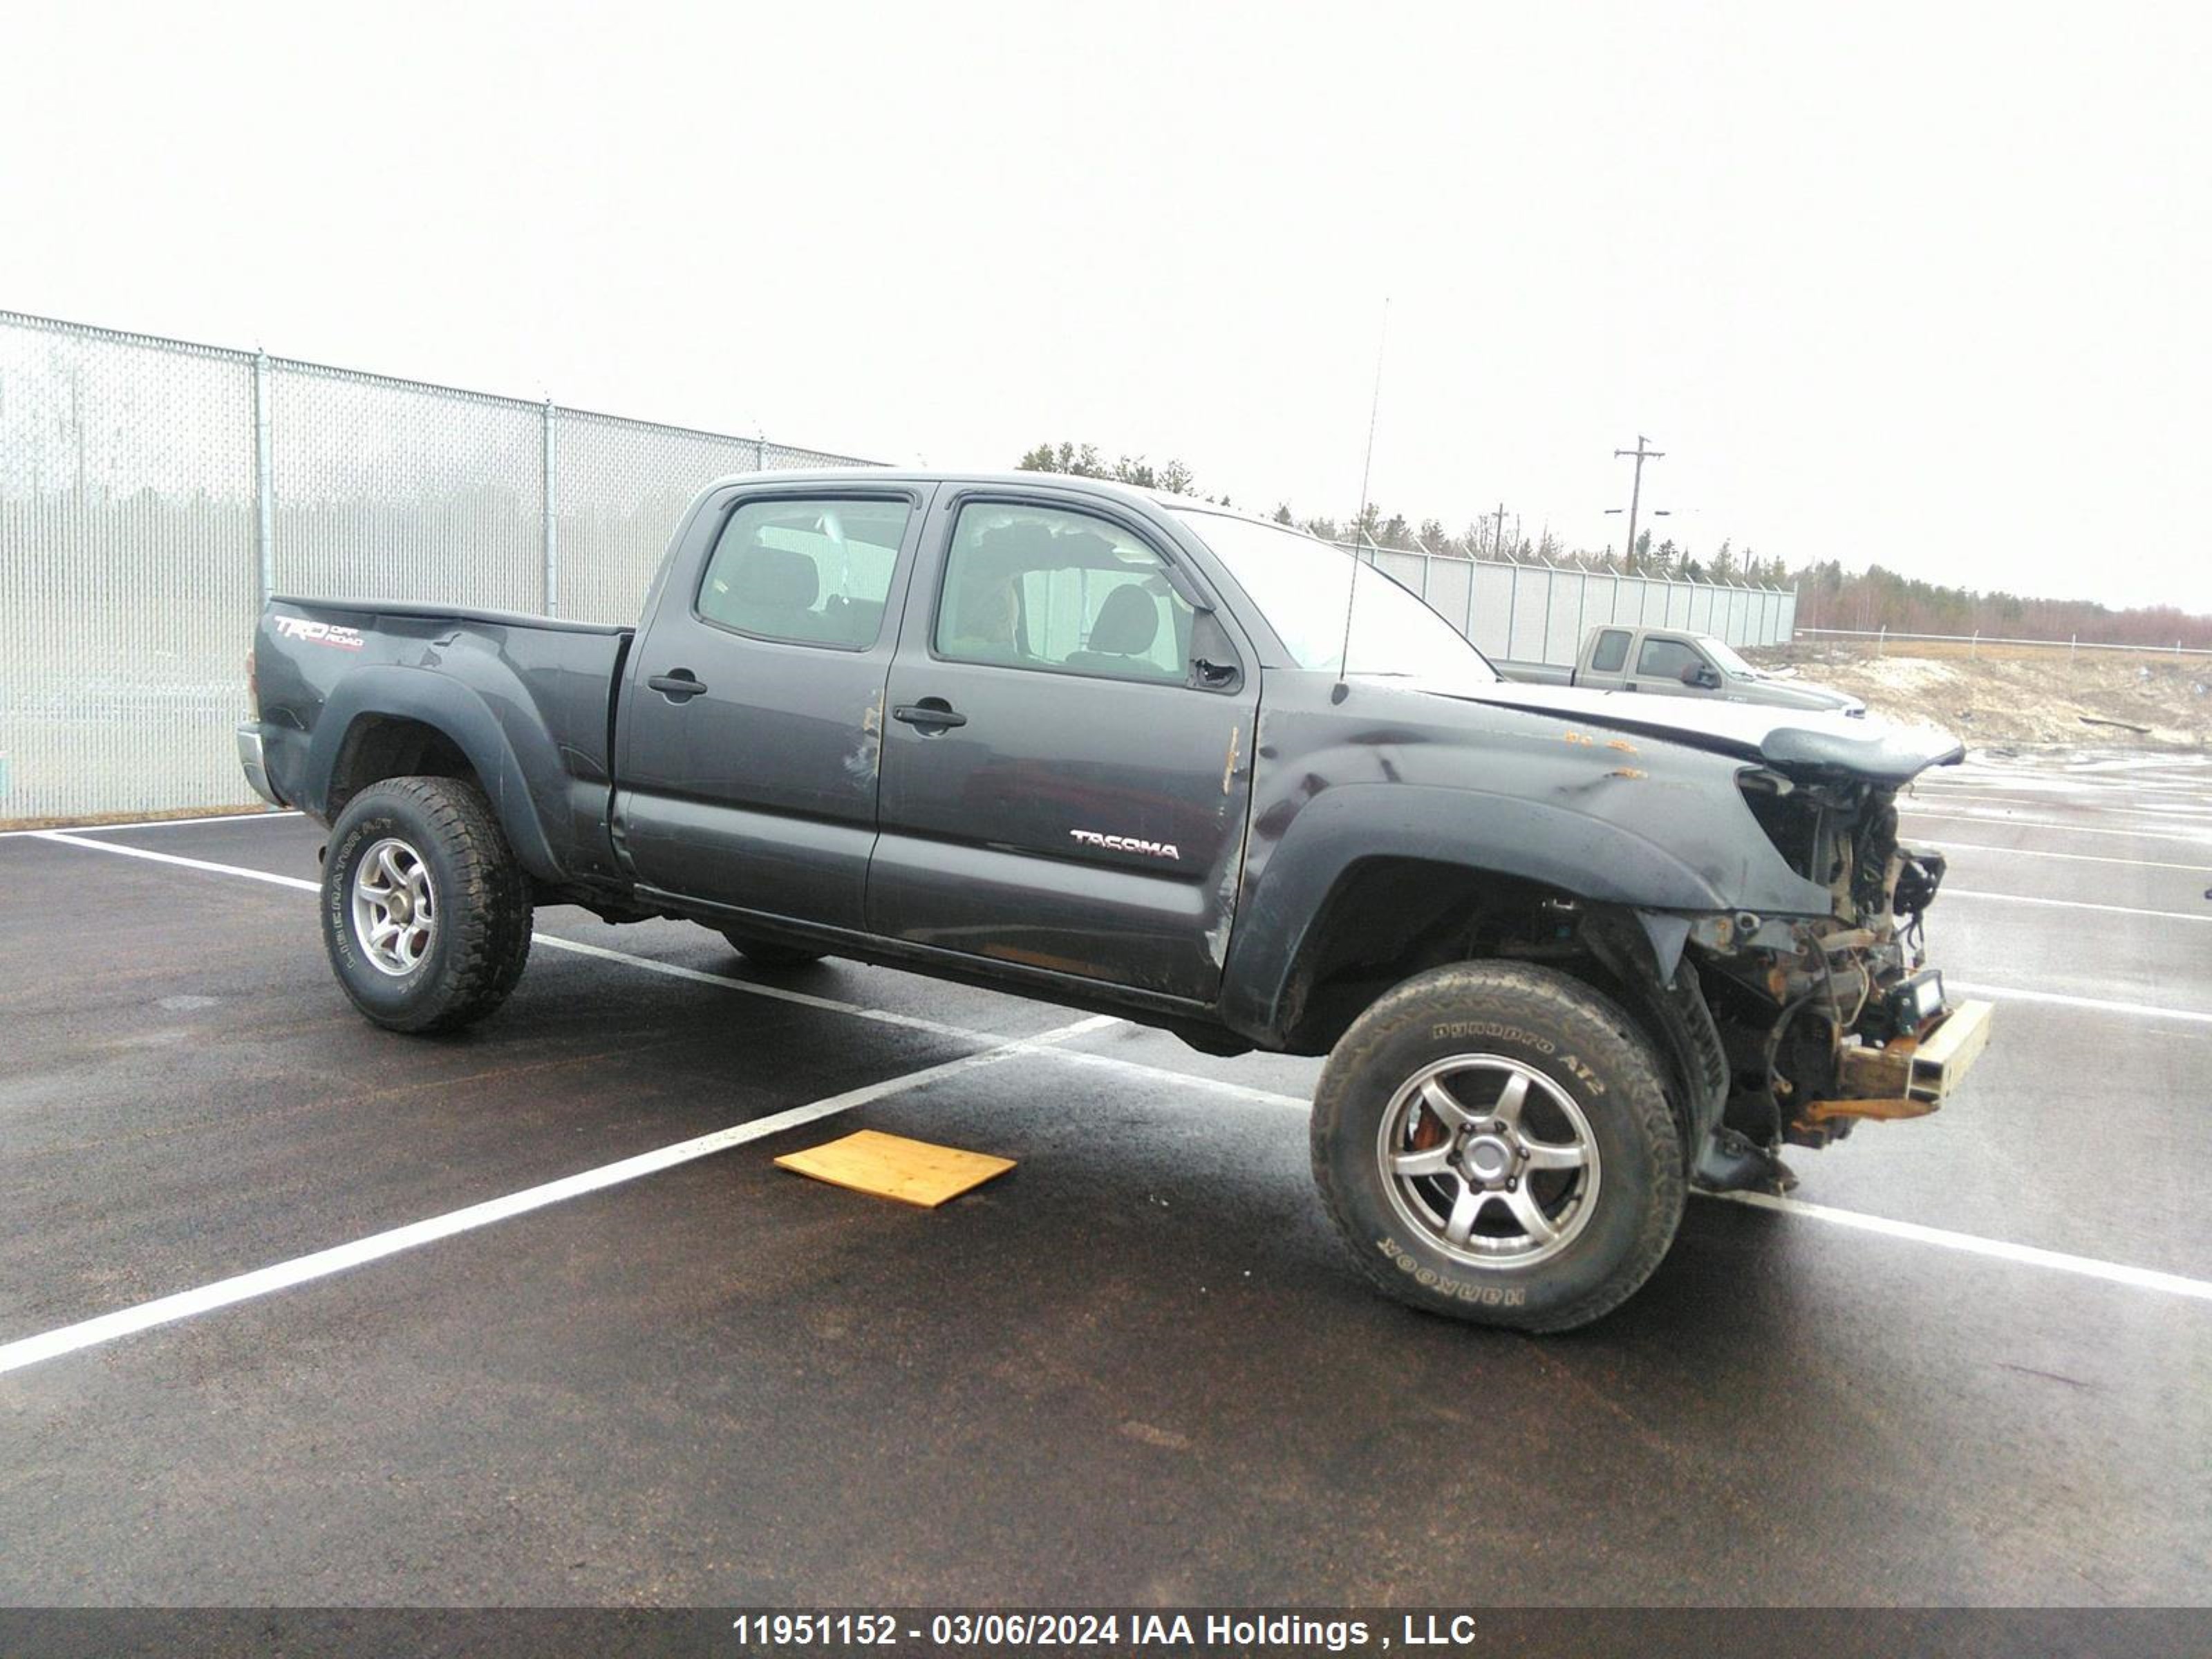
(1497, 536)
(1636, 489)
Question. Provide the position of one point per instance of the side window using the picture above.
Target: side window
(1612, 650)
(1033, 587)
(1661, 659)
(809, 572)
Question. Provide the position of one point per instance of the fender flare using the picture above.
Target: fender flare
(1508, 836)
(506, 758)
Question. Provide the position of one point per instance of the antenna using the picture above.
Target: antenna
(1359, 524)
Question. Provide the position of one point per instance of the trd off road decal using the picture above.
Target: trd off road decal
(1159, 849)
(318, 633)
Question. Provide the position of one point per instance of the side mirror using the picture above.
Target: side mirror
(1700, 674)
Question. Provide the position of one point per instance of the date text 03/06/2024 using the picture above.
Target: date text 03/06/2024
(1207, 1632)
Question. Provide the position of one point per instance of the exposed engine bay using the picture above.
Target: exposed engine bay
(1822, 1023)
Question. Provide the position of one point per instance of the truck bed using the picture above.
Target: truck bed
(1533, 673)
(528, 700)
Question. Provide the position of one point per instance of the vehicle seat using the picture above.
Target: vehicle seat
(1128, 624)
(774, 593)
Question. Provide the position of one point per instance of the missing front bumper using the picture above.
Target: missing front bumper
(1910, 1077)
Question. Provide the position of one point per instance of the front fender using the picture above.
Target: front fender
(1594, 859)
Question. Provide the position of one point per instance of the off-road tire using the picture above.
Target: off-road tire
(481, 941)
(1554, 1025)
(767, 953)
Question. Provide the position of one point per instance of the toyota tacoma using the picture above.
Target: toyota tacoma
(1571, 954)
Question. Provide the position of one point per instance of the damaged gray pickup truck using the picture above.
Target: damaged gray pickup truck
(1569, 954)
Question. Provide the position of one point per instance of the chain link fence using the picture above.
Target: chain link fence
(153, 492)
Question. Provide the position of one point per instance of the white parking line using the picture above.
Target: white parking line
(107, 1327)
(154, 823)
(2088, 1267)
(2128, 799)
(2068, 904)
(885, 1017)
(70, 837)
(1945, 844)
(698, 976)
(2098, 1005)
(2004, 822)
(265, 1281)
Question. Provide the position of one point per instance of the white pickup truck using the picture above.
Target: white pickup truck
(1673, 662)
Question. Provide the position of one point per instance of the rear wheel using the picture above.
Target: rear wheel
(1493, 1142)
(426, 914)
(767, 953)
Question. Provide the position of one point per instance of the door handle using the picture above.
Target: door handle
(932, 714)
(678, 687)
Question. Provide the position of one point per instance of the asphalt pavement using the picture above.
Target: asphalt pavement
(1970, 1364)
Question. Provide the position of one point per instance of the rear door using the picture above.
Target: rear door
(1058, 790)
(751, 718)
(1604, 667)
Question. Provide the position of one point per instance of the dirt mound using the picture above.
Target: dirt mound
(2022, 694)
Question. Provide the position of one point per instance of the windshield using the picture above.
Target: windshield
(1731, 664)
(1302, 586)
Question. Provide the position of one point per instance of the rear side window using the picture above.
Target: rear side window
(807, 572)
(1612, 650)
(1665, 658)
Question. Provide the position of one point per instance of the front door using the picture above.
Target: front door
(1661, 662)
(751, 709)
(1058, 790)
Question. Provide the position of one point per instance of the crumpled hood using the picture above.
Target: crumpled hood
(1803, 743)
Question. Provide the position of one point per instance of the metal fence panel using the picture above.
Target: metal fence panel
(1524, 613)
(619, 489)
(1630, 607)
(388, 489)
(127, 571)
(1561, 635)
(1493, 604)
(1451, 590)
(1409, 569)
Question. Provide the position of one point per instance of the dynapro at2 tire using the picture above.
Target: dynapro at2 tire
(397, 843)
(1493, 1142)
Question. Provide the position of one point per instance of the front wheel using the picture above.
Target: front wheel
(426, 914)
(1493, 1142)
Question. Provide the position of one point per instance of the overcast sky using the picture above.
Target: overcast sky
(1918, 284)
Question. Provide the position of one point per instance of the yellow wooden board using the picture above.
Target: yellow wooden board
(891, 1166)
